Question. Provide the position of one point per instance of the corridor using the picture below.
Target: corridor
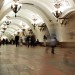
(36, 61)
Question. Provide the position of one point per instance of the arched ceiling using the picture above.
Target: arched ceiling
(40, 9)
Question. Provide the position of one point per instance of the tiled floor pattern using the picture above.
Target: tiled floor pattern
(36, 61)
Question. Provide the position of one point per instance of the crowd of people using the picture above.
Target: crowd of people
(4, 41)
(30, 41)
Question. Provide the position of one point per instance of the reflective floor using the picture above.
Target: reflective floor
(36, 61)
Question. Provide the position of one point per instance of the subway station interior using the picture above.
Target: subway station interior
(27, 32)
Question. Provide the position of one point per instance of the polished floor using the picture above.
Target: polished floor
(36, 61)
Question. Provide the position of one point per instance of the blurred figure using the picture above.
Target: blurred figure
(6, 41)
(53, 44)
(33, 40)
(12, 41)
(0, 42)
(37, 42)
(28, 40)
(21, 41)
(17, 40)
(3, 41)
(45, 39)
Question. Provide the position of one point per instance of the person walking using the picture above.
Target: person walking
(53, 44)
(28, 41)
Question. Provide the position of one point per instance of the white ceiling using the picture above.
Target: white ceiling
(40, 9)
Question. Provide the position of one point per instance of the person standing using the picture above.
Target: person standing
(0, 41)
(28, 41)
(3, 41)
(17, 40)
(45, 39)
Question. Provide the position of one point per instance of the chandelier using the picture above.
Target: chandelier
(4, 27)
(30, 31)
(8, 21)
(57, 13)
(42, 27)
(57, 5)
(16, 6)
(34, 24)
(23, 29)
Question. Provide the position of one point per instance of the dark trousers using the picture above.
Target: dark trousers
(17, 43)
(52, 50)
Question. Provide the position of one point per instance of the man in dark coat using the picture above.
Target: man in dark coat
(17, 40)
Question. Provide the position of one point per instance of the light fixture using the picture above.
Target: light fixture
(16, 6)
(23, 32)
(18, 31)
(30, 31)
(4, 27)
(3, 31)
(23, 29)
(57, 13)
(42, 27)
(57, 5)
(8, 21)
(34, 24)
